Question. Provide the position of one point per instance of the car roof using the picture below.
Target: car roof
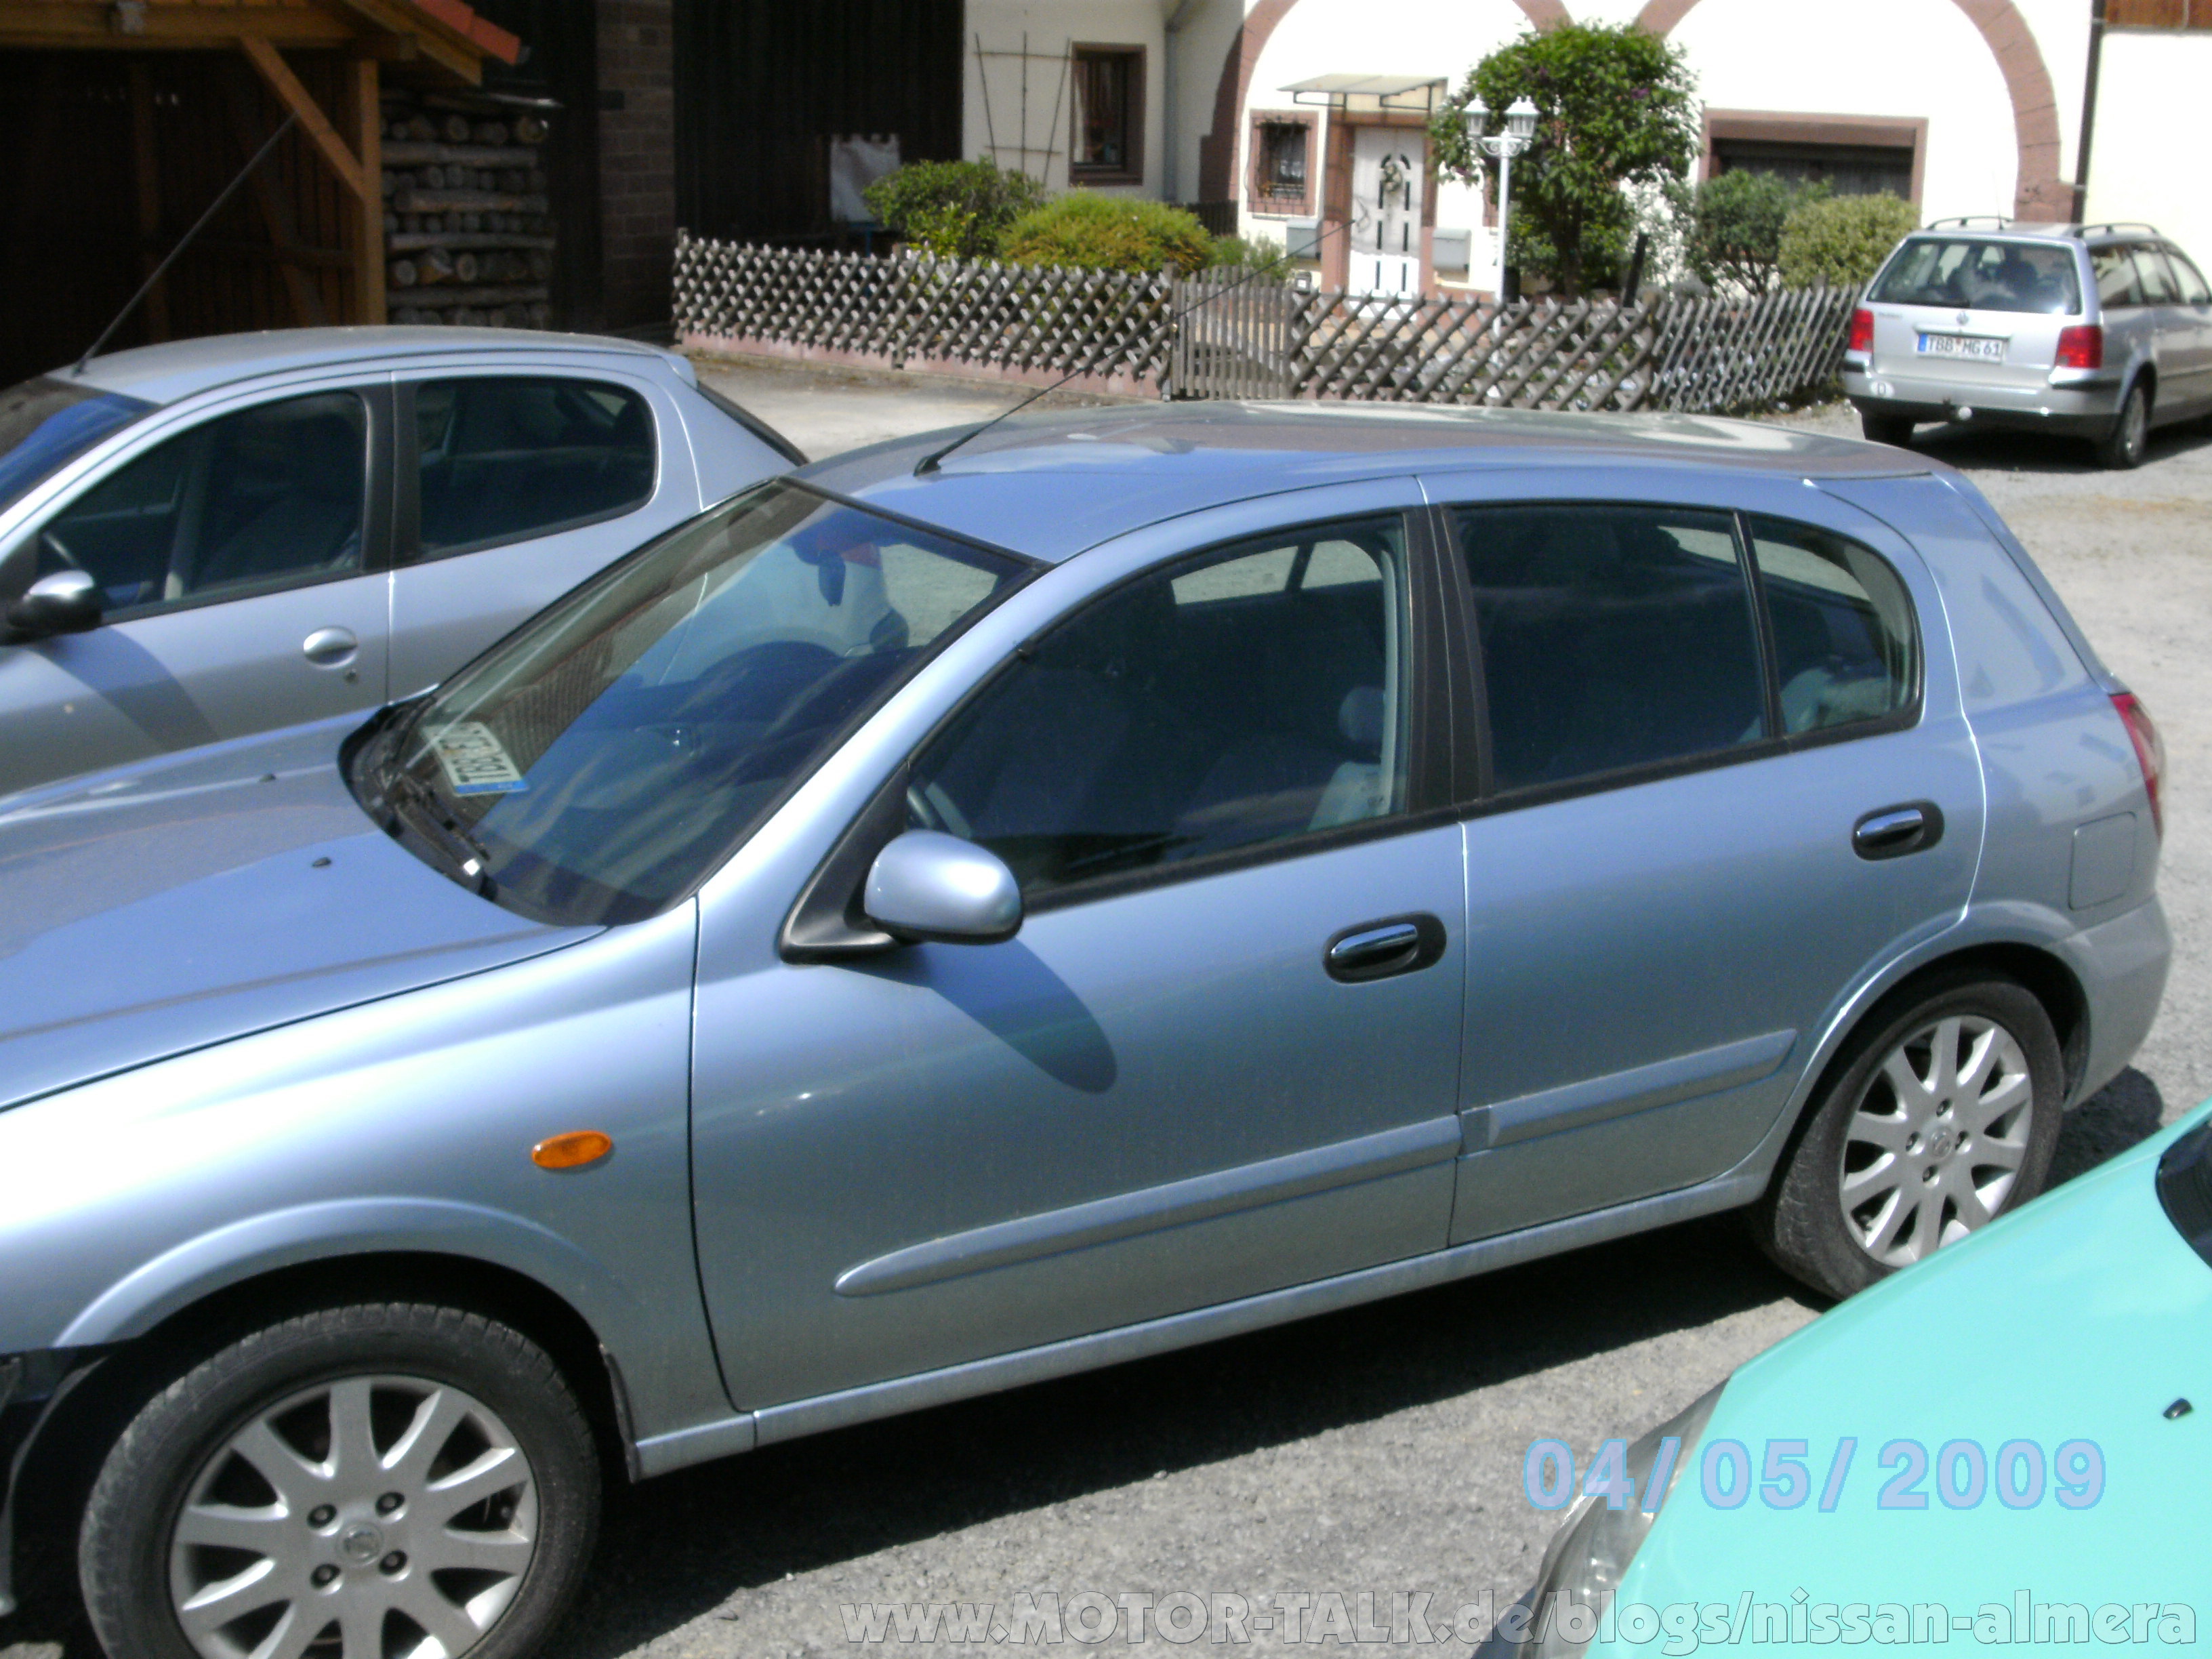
(1020, 484)
(181, 368)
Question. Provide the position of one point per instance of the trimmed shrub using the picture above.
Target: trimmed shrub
(1843, 240)
(1736, 237)
(956, 209)
(1092, 232)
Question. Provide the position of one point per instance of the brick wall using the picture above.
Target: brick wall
(637, 159)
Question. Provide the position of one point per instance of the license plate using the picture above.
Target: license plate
(1962, 345)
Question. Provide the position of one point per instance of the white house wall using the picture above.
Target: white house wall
(1016, 123)
(2142, 164)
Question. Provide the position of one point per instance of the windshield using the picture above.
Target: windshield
(1976, 275)
(45, 423)
(598, 763)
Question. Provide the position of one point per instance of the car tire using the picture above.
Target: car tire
(1896, 430)
(1880, 1174)
(2124, 447)
(244, 1459)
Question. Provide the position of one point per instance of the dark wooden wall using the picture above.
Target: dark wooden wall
(760, 86)
(107, 157)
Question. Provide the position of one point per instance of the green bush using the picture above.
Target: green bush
(1263, 257)
(1844, 239)
(956, 209)
(1092, 232)
(1736, 227)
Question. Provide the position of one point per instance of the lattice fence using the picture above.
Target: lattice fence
(1214, 337)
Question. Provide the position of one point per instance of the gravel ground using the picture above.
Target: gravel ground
(1377, 1450)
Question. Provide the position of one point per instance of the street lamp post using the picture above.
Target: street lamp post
(1520, 133)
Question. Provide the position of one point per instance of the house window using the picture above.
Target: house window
(1846, 169)
(2159, 14)
(1282, 159)
(1108, 143)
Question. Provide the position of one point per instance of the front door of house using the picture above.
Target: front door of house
(1388, 166)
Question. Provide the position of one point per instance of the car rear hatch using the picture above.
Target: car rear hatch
(1955, 315)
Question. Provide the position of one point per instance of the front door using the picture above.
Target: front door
(1388, 165)
(1218, 1059)
(1670, 892)
(239, 562)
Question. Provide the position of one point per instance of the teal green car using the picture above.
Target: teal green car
(2009, 1444)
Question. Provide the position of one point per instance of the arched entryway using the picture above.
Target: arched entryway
(1217, 151)
(2039, 191)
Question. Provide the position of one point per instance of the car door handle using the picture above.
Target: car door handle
(329, 647)
(1377, 949)
(1894, 831)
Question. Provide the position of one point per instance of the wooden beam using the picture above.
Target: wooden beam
(145, 157)
(312, 122)
(89, 23)
(368, 130)
(304, 292)
(464, 62)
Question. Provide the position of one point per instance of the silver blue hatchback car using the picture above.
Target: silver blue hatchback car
(935, 922)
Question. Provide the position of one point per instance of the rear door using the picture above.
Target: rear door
(2185, 335)
(1696, 705)
(514, 485)
(241, 561)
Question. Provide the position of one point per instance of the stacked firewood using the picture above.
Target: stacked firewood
(468, 229)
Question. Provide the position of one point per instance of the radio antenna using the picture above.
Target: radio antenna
(928, 464)
(213, 208)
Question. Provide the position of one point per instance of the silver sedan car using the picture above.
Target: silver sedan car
(2096, 331)
(944, 919)
(206, 539)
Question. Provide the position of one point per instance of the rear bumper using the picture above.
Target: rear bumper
(2121, 965)
(2086, 409)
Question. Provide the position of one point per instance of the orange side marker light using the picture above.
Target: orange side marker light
(572, 1150)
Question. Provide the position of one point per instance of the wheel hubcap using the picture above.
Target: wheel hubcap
(375, 1517)
(1938, 1139)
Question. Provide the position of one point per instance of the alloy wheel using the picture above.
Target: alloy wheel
(372, 1517)
(1937, 1140)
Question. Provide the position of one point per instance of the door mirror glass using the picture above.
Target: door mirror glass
(67, 601)
(926, 885)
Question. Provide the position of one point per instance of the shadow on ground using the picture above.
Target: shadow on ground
(680, 1547)
(1963, 445)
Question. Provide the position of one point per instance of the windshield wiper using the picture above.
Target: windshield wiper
(469, 859)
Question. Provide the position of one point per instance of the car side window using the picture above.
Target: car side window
(1611, 637)
(1846, 649)
(2115, 271)
(264, 497)
(502, 458)
(1251, 695)
(2194, 292)
(2156, 281)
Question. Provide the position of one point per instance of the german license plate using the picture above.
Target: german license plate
(1978, 346)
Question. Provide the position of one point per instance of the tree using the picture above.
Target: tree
(1843, 239)
(1619, 108)
(1736, 227)
(956, 209)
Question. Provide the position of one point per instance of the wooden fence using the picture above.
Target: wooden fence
(1217, 336)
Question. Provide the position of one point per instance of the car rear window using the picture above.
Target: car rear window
(1976, 274)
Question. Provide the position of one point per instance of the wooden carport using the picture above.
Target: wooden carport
(121, 120)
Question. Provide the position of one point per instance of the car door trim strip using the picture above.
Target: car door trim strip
(1201, 1198)
(1617, 1094)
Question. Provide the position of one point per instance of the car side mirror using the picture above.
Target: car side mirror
(66, 602)
(925, 885)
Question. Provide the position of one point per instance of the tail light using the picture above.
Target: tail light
(1863, 331)
(2081, 346)
(2150, 753)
